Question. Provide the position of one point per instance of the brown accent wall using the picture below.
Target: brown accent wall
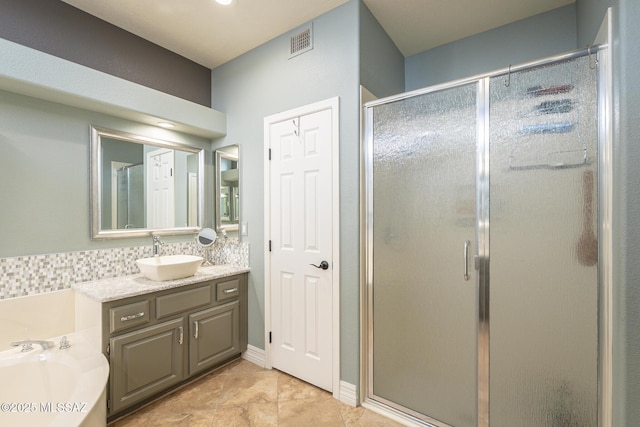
(59, 29)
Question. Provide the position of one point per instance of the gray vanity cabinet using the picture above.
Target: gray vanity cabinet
(145, 362)
(214, 336)
(158, 340)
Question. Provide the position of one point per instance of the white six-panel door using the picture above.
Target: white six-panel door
(160, 189)
(301, 234)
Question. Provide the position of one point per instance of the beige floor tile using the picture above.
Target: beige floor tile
(361, 417)
(242, 389)
(263, 414)
(134, 420)
(183, 419)
(290, 388)
(200, 395)
(319, 412)
(244, 394)
(232, 416)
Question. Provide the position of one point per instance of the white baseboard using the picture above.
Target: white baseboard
(254, 355)
(348, 394)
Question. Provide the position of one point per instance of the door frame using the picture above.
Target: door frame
(332, 104)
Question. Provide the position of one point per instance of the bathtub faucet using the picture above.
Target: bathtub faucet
(27, 345)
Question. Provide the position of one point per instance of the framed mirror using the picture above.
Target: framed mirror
(227, 197)
(142, 185)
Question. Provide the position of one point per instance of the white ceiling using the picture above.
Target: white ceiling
(211, 35)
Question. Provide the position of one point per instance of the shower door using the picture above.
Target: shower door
(423, 238)
(544, 248)
(130, 197)
(482, 249)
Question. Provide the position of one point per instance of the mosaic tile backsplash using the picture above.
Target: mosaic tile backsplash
(36, 274)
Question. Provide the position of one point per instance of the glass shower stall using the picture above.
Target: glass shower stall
(130, 197)
(482, 249)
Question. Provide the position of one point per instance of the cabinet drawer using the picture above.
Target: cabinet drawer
(167, 305)
(227, 290)
(126, 316)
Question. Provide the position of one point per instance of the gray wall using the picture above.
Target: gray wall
(264, 82)
(381, 63)
(532, 38)
(590, 14)
(44, 175)
(62, 30)
(626, 199)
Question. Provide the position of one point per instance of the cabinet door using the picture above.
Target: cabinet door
(145, 362)
(214, 335)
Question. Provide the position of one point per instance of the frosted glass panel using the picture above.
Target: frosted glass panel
(424, 197)
(543, 195)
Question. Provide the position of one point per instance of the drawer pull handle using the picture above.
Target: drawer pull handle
(197, 328)
(132, 316)
(230, 291)
(181, 335)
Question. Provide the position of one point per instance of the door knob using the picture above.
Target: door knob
(323, 265)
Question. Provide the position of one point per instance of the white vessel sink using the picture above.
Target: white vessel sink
(169, 267)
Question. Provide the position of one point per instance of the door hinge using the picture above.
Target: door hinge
(269, 245)
(269, 153)
(109, 404)
(269, 337)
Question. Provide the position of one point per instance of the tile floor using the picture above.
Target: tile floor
(243, 394)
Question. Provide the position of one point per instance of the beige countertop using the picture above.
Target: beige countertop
(116, 288)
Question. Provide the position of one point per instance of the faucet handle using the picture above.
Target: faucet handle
(27, 345)
(64, 343)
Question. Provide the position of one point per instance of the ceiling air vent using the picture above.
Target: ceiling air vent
(301, 42)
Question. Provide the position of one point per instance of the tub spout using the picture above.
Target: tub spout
(27, 345)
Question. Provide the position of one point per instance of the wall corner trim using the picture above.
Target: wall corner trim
(348, 394)
(254, 355)
(29, 72)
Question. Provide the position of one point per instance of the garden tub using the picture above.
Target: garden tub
(53, 387)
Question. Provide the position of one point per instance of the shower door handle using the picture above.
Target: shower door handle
(467, 243)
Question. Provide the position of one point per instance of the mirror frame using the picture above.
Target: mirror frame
(97, 133)
(219, 155)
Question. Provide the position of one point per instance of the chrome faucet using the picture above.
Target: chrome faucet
(64, 343)
(27, 345)
(157, 243)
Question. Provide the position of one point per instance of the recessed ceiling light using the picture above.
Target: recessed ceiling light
(225, 2)
(166, 125)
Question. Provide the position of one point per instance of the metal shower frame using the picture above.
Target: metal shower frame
(604, 102)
